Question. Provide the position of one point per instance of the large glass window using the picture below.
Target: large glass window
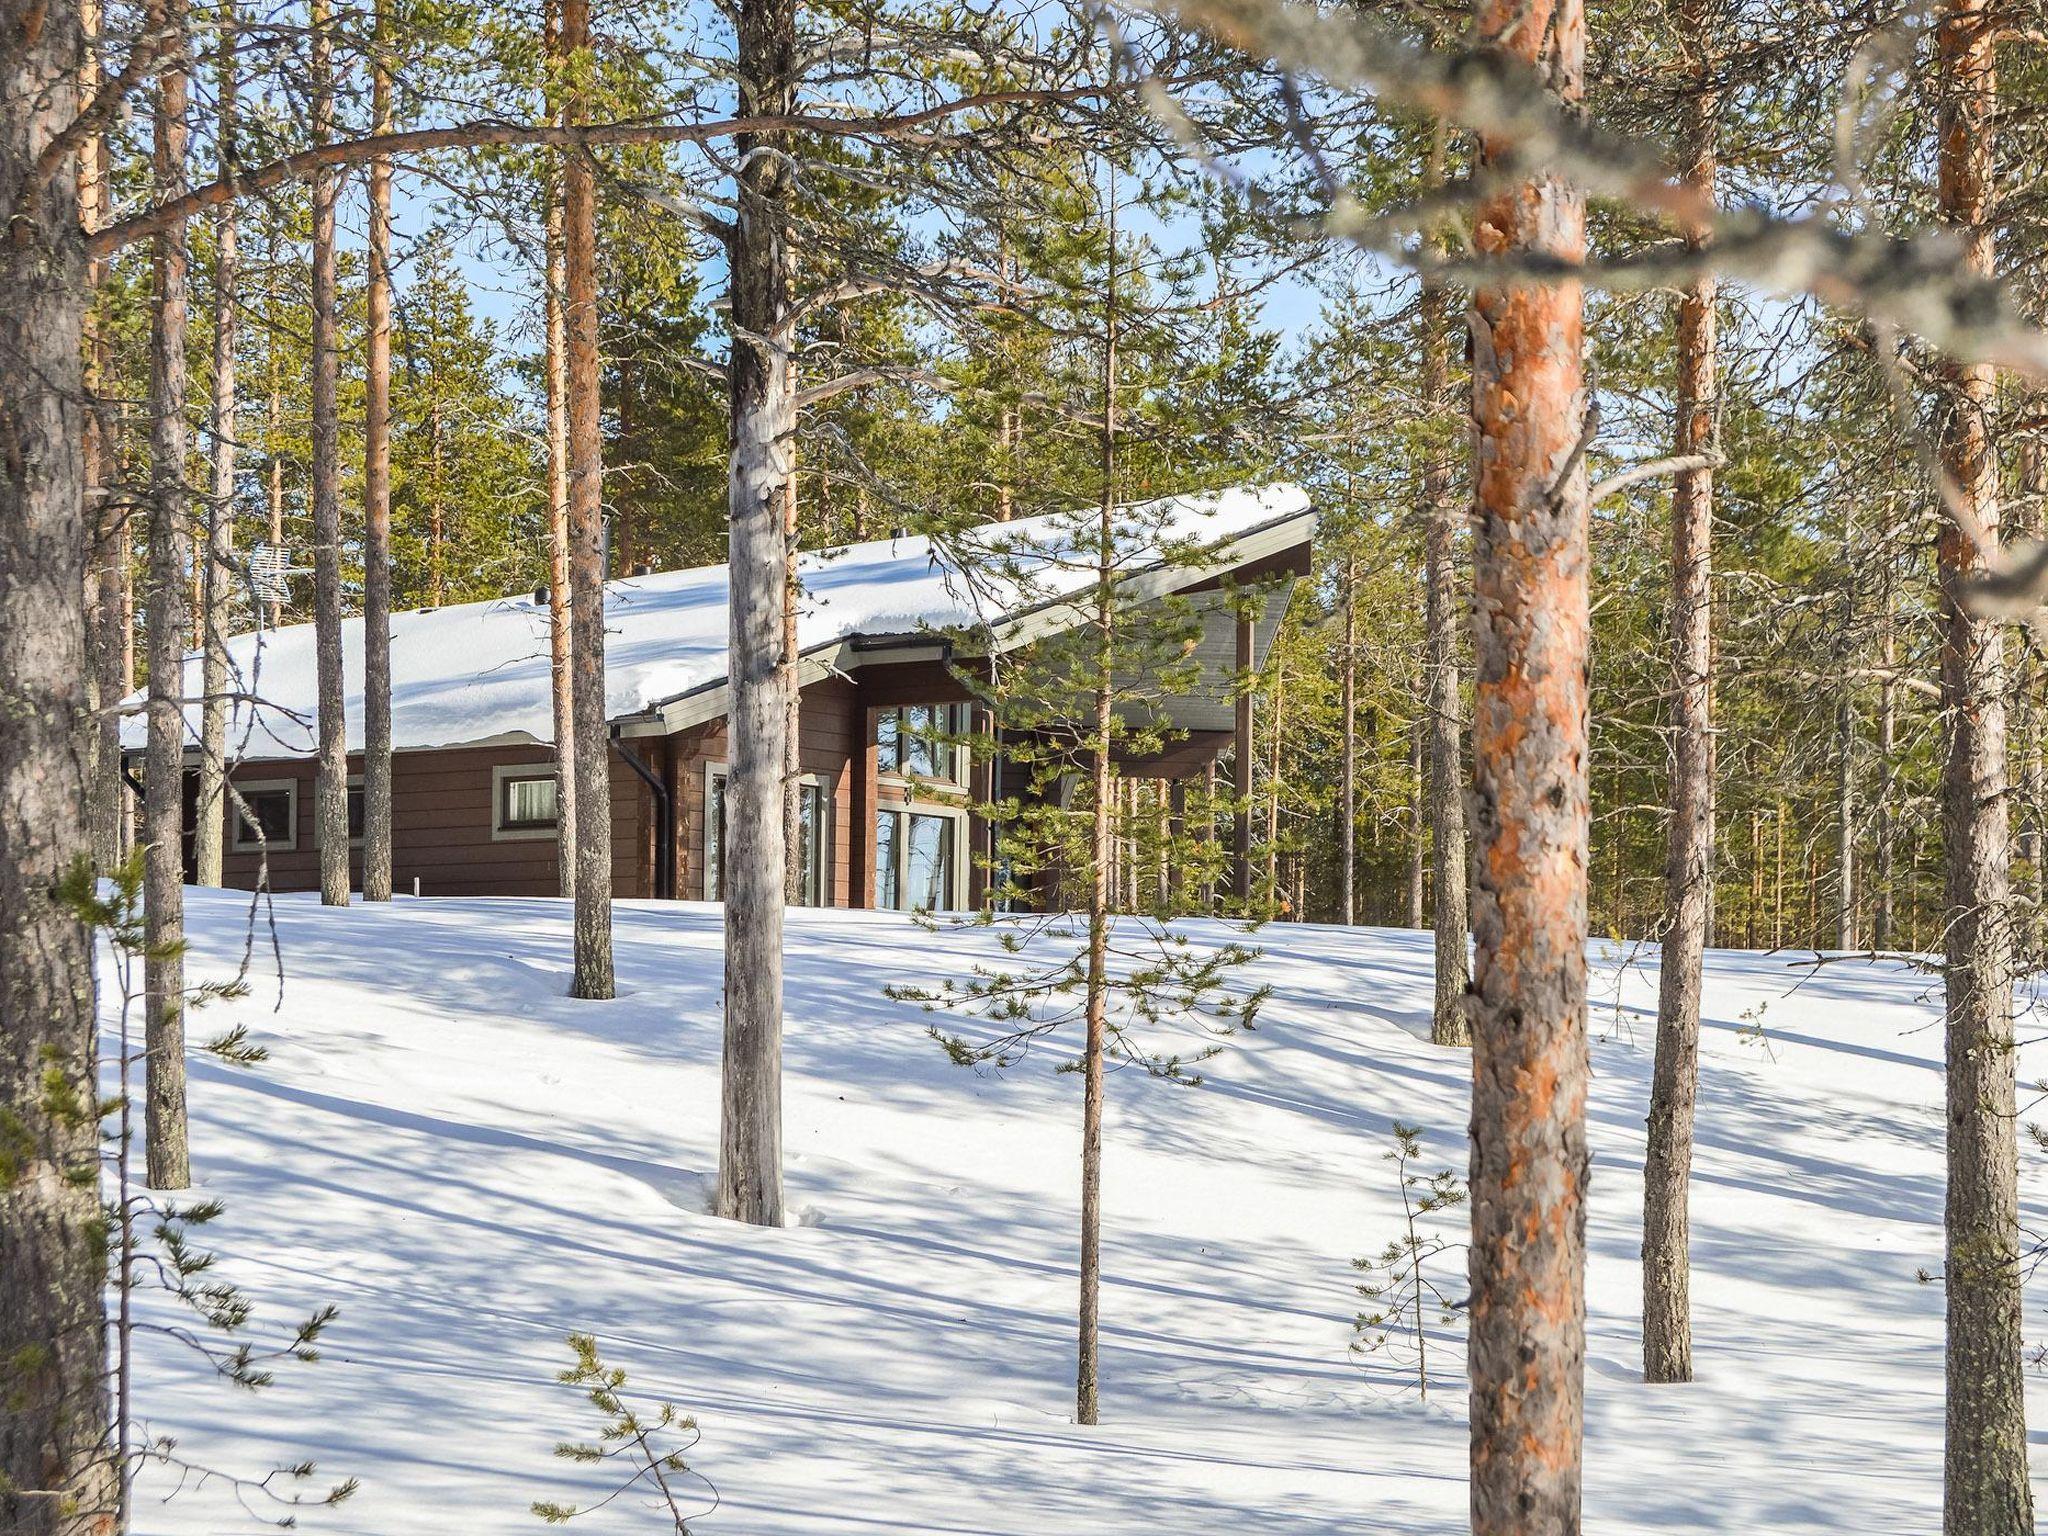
(810, 847)
(915, 860)
(920, 741)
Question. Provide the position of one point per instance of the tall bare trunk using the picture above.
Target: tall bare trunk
(273, 440)
(792, 729)
(1530, 815)
(1418, 816)
(52, 1240)
(1443, 511)
(1279, 728)
(1985, 1486)
(1883, 875)
(108, 648)
(1347, 768)
(763, 434)
(330, 783)
(593, 976)
(216, 583)
(1689, 847)
(1101, 840)
(1845, 820)
(557, 367)
(169, 1162)
(377, 495)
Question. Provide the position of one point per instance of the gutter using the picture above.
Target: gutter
(664, 821)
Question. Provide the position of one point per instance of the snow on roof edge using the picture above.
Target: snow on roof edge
(477, 674)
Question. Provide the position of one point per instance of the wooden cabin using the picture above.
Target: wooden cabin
(886, 807)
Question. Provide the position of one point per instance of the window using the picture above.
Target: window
(920, 741)
(355, 813)
(810, 848)
(271, 822)
(523, 802)
(917, 863)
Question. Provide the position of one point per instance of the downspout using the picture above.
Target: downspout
(664, 821)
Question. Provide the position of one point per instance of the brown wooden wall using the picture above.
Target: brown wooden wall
(441, 820)
(442, 812)
(832, 722)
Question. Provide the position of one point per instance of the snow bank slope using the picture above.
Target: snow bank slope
(469, 1165)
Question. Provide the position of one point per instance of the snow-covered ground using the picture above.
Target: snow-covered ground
(470, 1165)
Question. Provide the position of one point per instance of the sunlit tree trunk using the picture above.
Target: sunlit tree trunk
(792, 728)
(377, 496)
(1101, 840)
(556, 363)
(52, 1223)
(330, 783)
(763, 436)
(165, 1132)
(1418, 816)
(1443, 510)
(1985, 1486)
(273, 438)
(109, 646)
(1884, 873)
(593, 967)
(1689, 845)
(1347, 772)
(216, 573)
(1528, 1002)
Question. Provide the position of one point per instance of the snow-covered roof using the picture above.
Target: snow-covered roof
(478, 673)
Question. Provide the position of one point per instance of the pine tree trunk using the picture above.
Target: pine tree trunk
(377, 497)
(1101, 840)
(330, 783)
(556, 364)
(52, 1238)
(1347, 770)
(1985, 1486)
(273, 439)
(108, 646)
(1881, 810)
(217, 573)
(1845, 821)
(1279, 727)
(1101, 835)
(763, 436)
(1443, 511)
(165, 1132)
(1418, 842)
(1689, 846)
(593, 967)
(1530, 813)
(792, 728)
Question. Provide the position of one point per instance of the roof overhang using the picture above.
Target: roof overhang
(843, 657)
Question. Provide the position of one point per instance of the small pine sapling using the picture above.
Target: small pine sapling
(1399, 1288)
(646, 1444)
(1065, 710)
(150, 1239)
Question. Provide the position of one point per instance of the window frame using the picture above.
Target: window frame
(959, 868)
(236, 842)
(961, 777)
(501, 773)
(715, 773)
(353, 788)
